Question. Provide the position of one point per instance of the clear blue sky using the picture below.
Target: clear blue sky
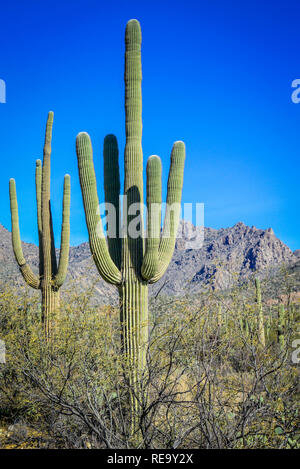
(216, 74)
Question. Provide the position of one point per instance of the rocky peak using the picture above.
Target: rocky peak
(202, 255)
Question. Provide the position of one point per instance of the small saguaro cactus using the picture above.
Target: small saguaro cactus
(281, 326)
(51, 277)
(127, 261)
(260, 314)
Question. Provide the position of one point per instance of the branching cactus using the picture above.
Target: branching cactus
(128, 261)
(260, 314)
(51, 277)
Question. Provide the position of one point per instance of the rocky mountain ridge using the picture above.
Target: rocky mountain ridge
(202, 255)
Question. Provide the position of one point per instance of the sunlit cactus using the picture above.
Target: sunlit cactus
(130, 262)
(51, 277)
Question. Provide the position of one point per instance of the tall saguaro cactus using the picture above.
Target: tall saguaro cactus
(51, 277)
(131, 262)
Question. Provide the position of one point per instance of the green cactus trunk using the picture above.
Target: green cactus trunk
(51, 277)
(134, 334)
(134, 291)
(129, 261)
(50, 308)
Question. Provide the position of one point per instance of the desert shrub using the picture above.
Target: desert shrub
(208, 382)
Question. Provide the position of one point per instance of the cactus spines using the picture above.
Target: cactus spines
(104, 263)
(112, 194)
(260, 314)
(165, 247)
(31, 279)
(151, 259)
(129, 261)
(50, 277)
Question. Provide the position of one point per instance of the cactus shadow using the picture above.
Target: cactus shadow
(135, 228)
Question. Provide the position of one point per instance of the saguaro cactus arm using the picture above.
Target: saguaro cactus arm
(38, 185)
(112, 196)
(53, 252)
(99, 249)
(47, 238)
(30, 278)
(172, 215)
(150, 261)
(65, 235)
